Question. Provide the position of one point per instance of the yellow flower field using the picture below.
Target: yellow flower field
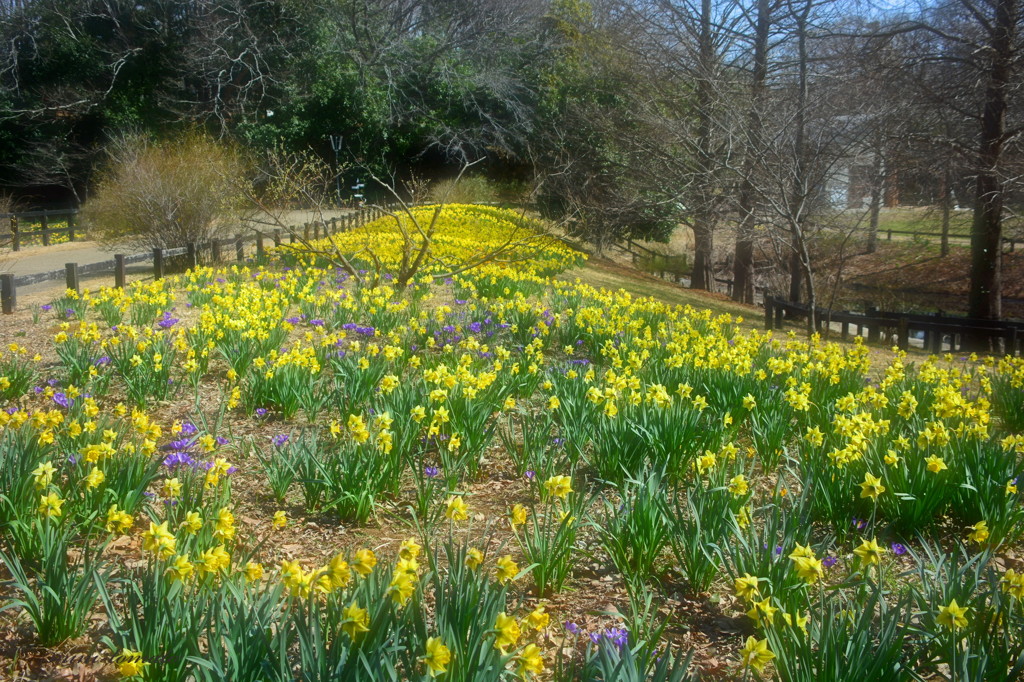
(287, 471)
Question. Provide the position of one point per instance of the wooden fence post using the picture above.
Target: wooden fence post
(259, 246)
(119, 271)
(191, 255)
(768, 312)
(71, 276)
(903, 334)
(8, 294)
(44, 225)
(874, 331)
(158, 263)
(239, 248)
(15, 234)
(291, 235)
(277, 237)
(215, 249)
(71, 227)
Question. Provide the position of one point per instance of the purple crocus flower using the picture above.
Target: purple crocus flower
(572, 627)
(431, 471)
(829, 561)
(167, 322)
(261, 412)
(280, 439)
(618, 636)
(898, 549)
(63, 400)
(531, 474)
(177, 459)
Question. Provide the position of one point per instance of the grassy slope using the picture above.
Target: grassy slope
(604, 273)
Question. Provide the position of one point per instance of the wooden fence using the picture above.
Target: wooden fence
(18, 236)
(1012, 242)
(193, 253)
(940, 332)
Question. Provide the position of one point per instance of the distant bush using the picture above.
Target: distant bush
(476, 190)
(165, 194)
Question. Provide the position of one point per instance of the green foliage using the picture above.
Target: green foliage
(58, 592)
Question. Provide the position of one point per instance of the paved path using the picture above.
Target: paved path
(35, 259)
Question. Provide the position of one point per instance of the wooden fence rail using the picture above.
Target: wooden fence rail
(938, 330)
(19, 236)
(1011, 241)
(194, 255)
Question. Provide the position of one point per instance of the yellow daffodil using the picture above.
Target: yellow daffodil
(871, 487)
(529, 661)
(474, 557)
(953, 616)
(746, 587)
(507, 632)
(755, 654)
(357, 620)
(438, 656)
(979, 532)
(869, 552)
(558, 486)
(507, 569)
(364, 562)
(456, 510)
(130, 663)
(518, 515)
(42, 475)
(50, 505)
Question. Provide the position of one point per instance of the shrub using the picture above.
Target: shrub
(164, 194)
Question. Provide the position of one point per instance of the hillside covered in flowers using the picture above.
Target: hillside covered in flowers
(294, 470)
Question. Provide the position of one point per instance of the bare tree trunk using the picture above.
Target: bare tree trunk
(877, 180)
(798, 199)
(702, 276)
(947, 207)
(985, 298)
(743, 261)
